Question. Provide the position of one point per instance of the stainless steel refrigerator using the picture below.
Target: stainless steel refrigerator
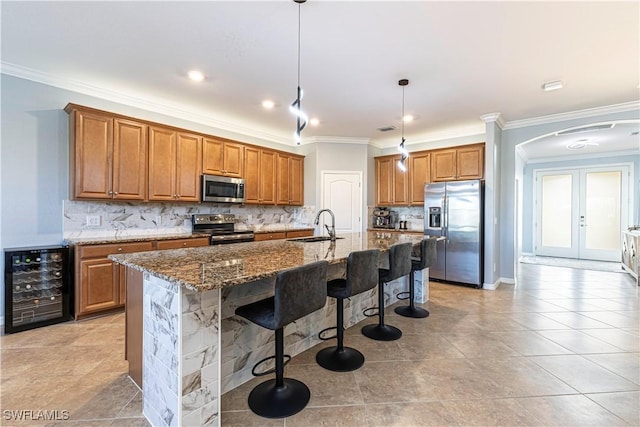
(454, 210)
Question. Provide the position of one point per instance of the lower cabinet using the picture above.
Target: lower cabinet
(282, 235)
(100, 284)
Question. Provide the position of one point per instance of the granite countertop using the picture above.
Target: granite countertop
(393, 230)
(280, 229)
(214, 267)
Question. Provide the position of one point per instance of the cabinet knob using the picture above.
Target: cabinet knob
(110, 192)
(119, 249)
(184, 244)
(115, 193)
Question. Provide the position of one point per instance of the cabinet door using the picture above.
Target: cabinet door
(93, 146)
(252, 175)
(129, 160)
(233, 159)
(212, 156)
(182, 243)
(299, 233)
(470, 162)
(267, 177)
(384, 178)
(419, 175)
(259, 237)
(400, 182)
(282, 180)
(296, 181)
(162, 161)
(188, 166)
(443, 165)
(99, 287)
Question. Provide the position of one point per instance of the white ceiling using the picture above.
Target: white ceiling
(463, 60)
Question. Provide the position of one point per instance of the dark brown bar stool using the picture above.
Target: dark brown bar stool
(427, 259)
(362, 275)
(399, 265)
(298, 291)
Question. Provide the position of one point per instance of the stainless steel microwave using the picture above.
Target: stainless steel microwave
(221, 189)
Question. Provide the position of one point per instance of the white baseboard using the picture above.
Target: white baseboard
(507, 281)
(526, 254)
(491, 286)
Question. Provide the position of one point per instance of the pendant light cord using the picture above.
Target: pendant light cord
(402, 118)
(299, 25)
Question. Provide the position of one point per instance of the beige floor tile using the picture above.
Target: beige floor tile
(624, 364)
(417, 347)
(576, 320)
(529, 343)
(573, 410)
(489, 412)
(327, 388)
(247, 419)
(334, 416)
(625, 340)
(578, 342)
(625, 405)
(616, 319)
(584, 375)
(479, 346)
(537, 322)
(415, 414)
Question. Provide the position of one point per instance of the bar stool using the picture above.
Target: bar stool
(427, 259)
(362, 275)
(399, 265)
(298, 291)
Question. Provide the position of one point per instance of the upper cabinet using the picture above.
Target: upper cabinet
(290, 178)
(174, 165)
(222, 157)
(392, 184)
(419, 175)
(108, 156)
(260, 176)
(459, 163)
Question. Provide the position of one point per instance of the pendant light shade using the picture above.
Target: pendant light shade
(296, 107)
(405, 154)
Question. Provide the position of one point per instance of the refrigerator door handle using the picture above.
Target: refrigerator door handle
(445, 215)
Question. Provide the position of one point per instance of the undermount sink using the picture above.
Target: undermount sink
(312, 239)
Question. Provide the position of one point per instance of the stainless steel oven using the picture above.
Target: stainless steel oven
(220, 228)
(221, 189)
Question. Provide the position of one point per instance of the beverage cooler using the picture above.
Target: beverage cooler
(37, 283)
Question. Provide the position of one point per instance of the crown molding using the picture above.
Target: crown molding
(556, 159)
(337, 140)
(493, 117)
(579, 114)
(144, 103)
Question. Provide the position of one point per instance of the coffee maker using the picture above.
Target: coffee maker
(384, 218)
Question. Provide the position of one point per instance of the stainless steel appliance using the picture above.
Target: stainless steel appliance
(454, 210)
(37, 283)
(221, 228)
(221, 189)
(384, 218)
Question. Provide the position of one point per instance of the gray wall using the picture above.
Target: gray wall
(510, 139)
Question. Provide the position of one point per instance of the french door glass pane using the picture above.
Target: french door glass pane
(602, 210)
(556, 211)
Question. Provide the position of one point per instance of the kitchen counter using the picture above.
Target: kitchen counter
(185, 345)
(215, 267)
(393, 230)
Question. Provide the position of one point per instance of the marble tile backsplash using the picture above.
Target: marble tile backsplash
(119, 219)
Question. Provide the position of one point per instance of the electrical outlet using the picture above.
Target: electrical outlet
(158, 219)
(249, 218)
(93, 220)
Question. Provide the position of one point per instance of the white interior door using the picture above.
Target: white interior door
(342, 193)
(580, 212)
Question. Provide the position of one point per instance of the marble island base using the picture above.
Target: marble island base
(194, 349)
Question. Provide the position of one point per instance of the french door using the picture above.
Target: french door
(580, 213)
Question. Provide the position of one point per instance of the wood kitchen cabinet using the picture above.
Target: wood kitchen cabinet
(108, 156)
(419, 175)
(260, 176)
(278, 235)
(175, 161)
(182, 243)
(459, 163)
(98, 281)
(222, 157)
(391, 182)
(290, 178)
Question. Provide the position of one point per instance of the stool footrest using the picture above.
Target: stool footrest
(364, 312)
(403, 295)
(287, 359)
(325, 330)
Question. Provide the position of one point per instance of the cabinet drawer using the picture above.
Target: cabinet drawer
(96, 251)
(270, 236)
(182, 243)
(299, 233)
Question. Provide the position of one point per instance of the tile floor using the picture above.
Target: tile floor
(560, 349)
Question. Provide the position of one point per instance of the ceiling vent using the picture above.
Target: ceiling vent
(586, 129)
(387, 128)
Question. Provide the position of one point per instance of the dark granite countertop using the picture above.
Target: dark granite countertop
(214, 267)
(99, 240)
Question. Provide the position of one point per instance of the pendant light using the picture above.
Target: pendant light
(405, 154)
(295, 108)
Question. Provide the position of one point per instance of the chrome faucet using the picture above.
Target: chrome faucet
(332, 230)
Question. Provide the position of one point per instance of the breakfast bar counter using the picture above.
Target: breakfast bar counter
(184, 343)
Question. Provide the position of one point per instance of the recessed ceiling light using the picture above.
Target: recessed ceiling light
(314, 121)
(580, 144)
(268, 104)
(195, 75)
(408, 118)
(552, 86)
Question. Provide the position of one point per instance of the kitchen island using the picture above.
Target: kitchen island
(194, 348)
